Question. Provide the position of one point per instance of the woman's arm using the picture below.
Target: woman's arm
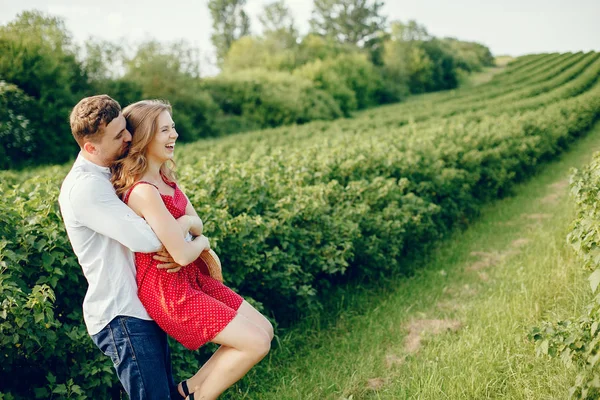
(145, 200)
(196, 225)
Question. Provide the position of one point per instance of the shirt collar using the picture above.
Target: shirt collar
(81, 159)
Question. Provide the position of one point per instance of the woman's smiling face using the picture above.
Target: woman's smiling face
(163, 144)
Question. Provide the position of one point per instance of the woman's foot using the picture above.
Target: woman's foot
(183, 390)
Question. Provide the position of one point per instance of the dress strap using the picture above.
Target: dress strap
(126, 197)
(167, 181)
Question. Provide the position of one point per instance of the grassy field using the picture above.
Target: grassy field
(456, 329)
(317, 224)
(476, 79)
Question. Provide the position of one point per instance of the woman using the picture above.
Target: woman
(191, 307)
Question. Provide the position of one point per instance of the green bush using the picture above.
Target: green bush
(228, 124)
(271, 52)
(577, 341)
(17, 136)
(351, 79)
(37, 55)
(328, 80)
(444, 71)
(269, 98)
(171, 73)
(469, 56)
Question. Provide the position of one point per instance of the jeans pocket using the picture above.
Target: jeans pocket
(111, 351)
(105, 340)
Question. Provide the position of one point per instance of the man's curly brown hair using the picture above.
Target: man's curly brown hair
(91, 115)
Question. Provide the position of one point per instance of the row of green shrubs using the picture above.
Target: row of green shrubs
(424, 110)
(287, 223)
(500, 90)
(42, 66)
(576, 341)
(562, 81)
(285, 220)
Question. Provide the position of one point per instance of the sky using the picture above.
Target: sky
(507, 27)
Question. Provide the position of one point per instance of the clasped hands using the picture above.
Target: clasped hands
(190, 225)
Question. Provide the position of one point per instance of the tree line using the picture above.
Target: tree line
(352, 58)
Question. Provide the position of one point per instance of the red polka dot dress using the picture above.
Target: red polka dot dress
(188, 305)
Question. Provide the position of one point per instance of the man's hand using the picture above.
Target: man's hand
(167, 261)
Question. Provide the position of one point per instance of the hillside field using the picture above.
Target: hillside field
(298, 210)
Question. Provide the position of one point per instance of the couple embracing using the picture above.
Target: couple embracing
(138, 240)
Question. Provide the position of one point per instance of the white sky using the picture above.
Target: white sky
(513, 27)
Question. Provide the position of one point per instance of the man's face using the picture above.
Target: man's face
(115, 141)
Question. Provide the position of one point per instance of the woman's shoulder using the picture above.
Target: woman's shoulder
(143, 189)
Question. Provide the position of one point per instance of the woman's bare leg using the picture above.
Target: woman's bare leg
(200, 376)
(253, 316)
(243, 344)
(256, 317)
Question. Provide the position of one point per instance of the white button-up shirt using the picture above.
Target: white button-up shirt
(104, 232)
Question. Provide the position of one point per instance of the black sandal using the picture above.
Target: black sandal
(186, 391)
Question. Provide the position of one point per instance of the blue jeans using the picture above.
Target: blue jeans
(140, 353)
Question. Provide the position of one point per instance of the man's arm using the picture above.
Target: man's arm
(96, 206)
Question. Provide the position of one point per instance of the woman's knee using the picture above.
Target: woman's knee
(269, 329)
(262, 345)
(244, 335)
(256, 317)
(259, 342)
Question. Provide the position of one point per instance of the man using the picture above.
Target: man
(104, 232)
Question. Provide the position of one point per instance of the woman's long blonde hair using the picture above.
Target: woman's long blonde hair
(142, 118)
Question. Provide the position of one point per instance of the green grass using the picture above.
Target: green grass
(479, 78)
(486, 75)
(502, 61)
(356, 349)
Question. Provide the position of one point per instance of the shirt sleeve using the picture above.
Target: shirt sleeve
(96, 206)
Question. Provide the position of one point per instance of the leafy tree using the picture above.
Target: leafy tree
(275, 49)
(376, 47)
(328, 80)
(348, 21)
(269, 99)
(17, 136)
(252, 52)
(315, 47)
(469, 56)
(407, 64)
(172, 73)
(104, 64)
(414, 58)
(351, 79)
(230, 22)
(444, 74)
(162, 67)
(38, 56)
(408, 32)
(103, 59)
(279, 30)
(276, 17)
(271, 53)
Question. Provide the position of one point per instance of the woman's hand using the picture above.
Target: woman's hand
(190, 224)
(205, 241)
(197, 227)
(185, 223)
